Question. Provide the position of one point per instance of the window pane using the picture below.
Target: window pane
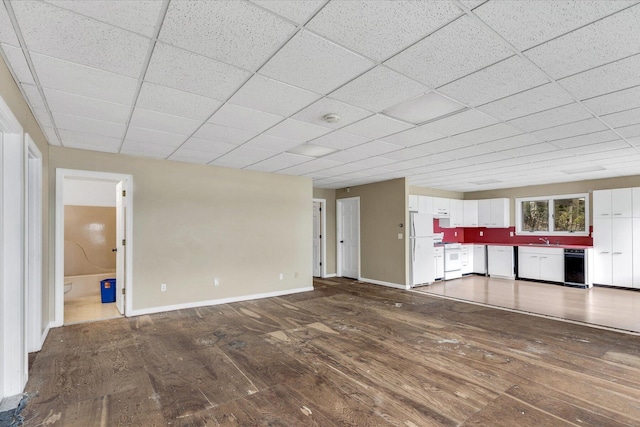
(569, 214)
(535, 215)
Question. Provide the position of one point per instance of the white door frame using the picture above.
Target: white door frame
(323, 241)
(127, 185)
(14, 364)
(36, 334)
(339, 233)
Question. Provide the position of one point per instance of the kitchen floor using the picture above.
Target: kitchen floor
(606, 307)
(88, 309)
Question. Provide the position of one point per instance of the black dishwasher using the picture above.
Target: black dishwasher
(574, 267)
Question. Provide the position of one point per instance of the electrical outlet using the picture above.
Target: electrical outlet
(163, 287)
(481, 233)
(511, 234)
(455, 234)
(216, 281)
(281, 276)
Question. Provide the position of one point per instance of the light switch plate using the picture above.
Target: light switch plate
(399, 236)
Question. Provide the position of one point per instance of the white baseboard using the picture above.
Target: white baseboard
(45, 333)
(328, 276)
(382, 283)
(164, 308)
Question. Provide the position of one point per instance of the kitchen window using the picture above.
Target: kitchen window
(566, 215)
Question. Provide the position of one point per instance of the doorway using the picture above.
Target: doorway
(319, 245)
(100, 203)
(348, 237)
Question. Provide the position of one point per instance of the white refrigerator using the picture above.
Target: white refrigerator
(421, 241)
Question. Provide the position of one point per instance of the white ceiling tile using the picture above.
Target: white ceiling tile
(543, 147)
(512, 142)
(163, 122)
(279, 161)
(469, 151)
(243, 156)
(176, 102)
(529, 23)
(234, 32)
(88, 141)
(456, 50)
(489, 133)
(78, 79)
(614, 102)
(553, 117)
(528, 102)
(313, 63)
(378, 89)
(146, 149)
(375, 148)
(192, 156)
(377, 162)
(50, 134)
(471, 4)
(342, 169)
(63, 34)
(622, 118)
(442, 145)
(236, 116)
(82, 106)
(33, 96)
(310, 167)
(404, 154)
(89, 126)
(315, 112)
(593, 45)
(207, 146)
(261, 93)
(138, 16)
(297, 130)
(489, 158)
(273, 143)
(7, 35)
(296, 11)
(629, 131)
(340, 140)
(618, 75)
(374, 171)
(376, 126)
(18, 64)
(571, 129)
(601, 147)
(154, 137)
(592, 138)
(513, 75)
(43, 117)
(379, 29)
(461, 123)
(179, 69)
(224, 134)
(416, 136)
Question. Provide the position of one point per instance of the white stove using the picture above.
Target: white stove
(452, 261)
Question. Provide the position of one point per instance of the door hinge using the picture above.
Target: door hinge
(124, 193)
(320, 209)
(124, 242)
(320, 236)
(320, 263)
(123, 291)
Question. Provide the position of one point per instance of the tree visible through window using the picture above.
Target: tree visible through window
(535, 215)
(569, 214)
(553, 214)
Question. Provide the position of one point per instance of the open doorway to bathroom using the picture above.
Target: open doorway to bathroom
(93, 219)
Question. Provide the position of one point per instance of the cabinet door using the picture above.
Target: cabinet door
(456, 212)
(479, 259)
(621, 253)
(636, 252)
(552, 267)
(470, 213)
(529, 265)
(413, 203)
(441, 206)
(602, 204)
(500, 215)
(423, 205)
(635, 196)
(500, 261)
(602, 273)
(621, 203)
(438, 261)
(484, 213)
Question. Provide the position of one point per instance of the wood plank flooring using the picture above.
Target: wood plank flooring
(346, 354)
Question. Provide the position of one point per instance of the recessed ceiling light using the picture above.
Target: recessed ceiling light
(583, 170)
(424, 108)
(486, 181)
(312, 150)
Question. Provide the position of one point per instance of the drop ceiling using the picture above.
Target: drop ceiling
(544, 92)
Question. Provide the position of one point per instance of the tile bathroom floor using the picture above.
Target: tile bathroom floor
(88, 309)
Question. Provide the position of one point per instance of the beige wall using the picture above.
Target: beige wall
(330, 232)
(383, 207)
(89, 237)
(424, 191)
(192, 223)
(556, 189)
(13, 97)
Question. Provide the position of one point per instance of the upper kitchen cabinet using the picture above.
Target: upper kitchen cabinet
(635, 195)
(441, 207)
(470, 213)
(456, 215)
(414, 203)
(617, 203)
(425, 205)
(494, 213)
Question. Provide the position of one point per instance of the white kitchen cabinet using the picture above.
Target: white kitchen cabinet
(621, 203)
(480, 259)
(494, 213)
(613, 244)
(602, 273)
(425, 205)
(500, 261)
(602, 204)
(456, 215)
(635, 196)
(438, 262)
(466, 258)
(413, 203)
(539, 263)
(484, 213)
(636, 252)
(441, 207)
(470, 213)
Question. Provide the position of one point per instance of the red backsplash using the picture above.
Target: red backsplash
(502, 235)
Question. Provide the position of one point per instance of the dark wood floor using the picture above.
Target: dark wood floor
(345, 354)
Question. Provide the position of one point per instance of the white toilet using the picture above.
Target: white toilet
(68, 286)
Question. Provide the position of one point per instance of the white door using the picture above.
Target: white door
(317, 239)
(121, 246)
(349, 237)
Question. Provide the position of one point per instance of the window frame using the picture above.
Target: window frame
(551, 208)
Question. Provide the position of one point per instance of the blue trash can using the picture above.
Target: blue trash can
(108, 290)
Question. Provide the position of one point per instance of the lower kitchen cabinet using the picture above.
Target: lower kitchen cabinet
(500, 261)
(466, 257)
(540, 263)
(438, 262)
(480, 259)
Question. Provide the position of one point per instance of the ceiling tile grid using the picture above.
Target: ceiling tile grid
(543, 87)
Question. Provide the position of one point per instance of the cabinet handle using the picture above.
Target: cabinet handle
(604, 252)
(617, 214)
(617, 253)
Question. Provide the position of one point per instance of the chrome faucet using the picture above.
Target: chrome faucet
(544, 239)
